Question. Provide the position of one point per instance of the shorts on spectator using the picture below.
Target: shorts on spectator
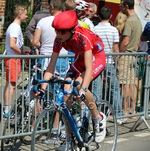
(13, 69)
(127, 69)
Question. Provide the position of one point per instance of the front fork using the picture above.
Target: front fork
(72, 124)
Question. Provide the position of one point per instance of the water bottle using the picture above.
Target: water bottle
(85, 114)
(77, 120)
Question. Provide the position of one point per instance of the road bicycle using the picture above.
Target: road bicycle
(18, 124)
(77, 137)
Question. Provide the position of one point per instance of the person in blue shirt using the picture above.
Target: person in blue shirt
(146, 36)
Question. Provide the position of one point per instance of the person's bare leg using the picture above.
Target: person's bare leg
(126, 98)
(139, 89)
(56, 121)
(134, 97)
(90, 102)
(8, 95)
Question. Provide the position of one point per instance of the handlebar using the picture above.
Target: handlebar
(53, 80)
(56, 80)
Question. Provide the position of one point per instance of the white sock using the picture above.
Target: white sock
(97, 120)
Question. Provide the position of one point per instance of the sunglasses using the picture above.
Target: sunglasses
(60, 32)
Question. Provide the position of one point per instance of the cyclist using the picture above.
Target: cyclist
(89, 62)
(81, 11)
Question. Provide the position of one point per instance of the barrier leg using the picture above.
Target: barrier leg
(138, 123)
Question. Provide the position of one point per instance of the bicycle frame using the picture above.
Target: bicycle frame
(63, 107)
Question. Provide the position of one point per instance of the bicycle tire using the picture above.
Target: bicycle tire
(110, 141)
(27, 138)
(8, 144)
(46, 142)
(27, 127)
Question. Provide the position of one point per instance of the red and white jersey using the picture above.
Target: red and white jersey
(82, 40)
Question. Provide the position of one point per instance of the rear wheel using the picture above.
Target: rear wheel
(110, 141)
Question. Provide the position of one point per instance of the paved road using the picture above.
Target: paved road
(138, 140)
(134, 141)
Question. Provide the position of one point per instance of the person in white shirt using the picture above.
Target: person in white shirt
(110, 37)
(14, 46)
(44, 37)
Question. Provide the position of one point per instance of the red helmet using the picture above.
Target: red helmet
(65, 20)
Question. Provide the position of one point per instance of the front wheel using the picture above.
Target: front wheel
(50, 137)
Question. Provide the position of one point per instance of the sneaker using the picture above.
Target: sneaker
(62, 147)
(100, 129)
(62, 135)
(121, 121)
(5, 115)
(54, 136)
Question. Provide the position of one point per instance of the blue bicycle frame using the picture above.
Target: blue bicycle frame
(60, 101)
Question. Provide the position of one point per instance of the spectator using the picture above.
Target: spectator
(81, 11)
(69, 5)
(110, 37)
(45, 34)
(146, 36)
(14, 46)
(92, 13)
(120, 21)
(129, 42)
(44, 12)
(85, 44)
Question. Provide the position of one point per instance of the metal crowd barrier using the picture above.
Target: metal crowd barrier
(102, 88)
